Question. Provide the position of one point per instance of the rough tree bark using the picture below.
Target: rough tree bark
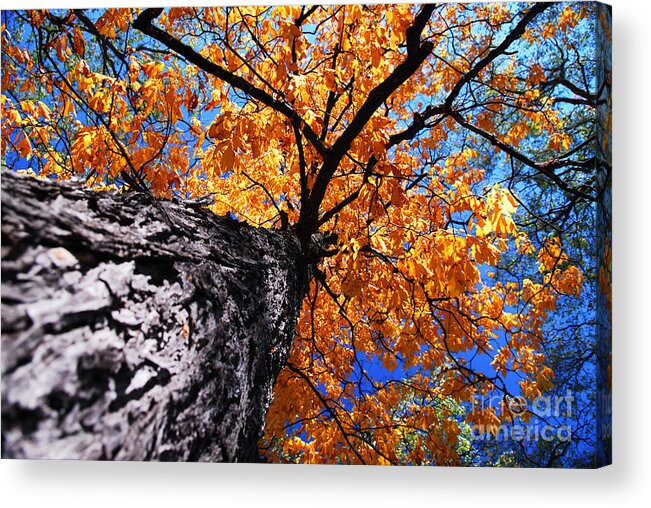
(134, 330)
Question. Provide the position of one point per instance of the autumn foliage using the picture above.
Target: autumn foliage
(408, 135)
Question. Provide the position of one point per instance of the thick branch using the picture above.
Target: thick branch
(417, 52)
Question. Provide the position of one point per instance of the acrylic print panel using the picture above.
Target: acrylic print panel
(350, 234)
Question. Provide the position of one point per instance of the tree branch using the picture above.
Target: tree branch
(515, 34)
(546, 168)
(417, 52)
(143, 23)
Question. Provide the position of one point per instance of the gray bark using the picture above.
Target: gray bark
(134, 330)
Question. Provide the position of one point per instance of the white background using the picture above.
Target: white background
(626, 483)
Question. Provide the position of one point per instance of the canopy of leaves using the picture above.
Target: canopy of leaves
(449, 149)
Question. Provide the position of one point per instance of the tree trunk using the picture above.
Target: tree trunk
(138, 330)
